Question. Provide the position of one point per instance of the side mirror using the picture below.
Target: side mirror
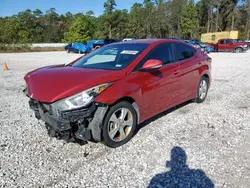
(152, 64)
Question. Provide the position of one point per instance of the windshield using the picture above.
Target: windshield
(111, 57)
(237, 40)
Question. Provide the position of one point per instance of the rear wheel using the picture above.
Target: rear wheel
(238, 50)
(202, 90)
(119, 124)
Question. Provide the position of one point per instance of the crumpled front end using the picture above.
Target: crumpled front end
(71, 125)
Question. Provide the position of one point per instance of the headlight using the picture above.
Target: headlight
(245, 46)
(81, 99)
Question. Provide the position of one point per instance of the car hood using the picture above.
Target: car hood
(49, 84)
(241, 43)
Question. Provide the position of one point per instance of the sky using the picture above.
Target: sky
(10, 7)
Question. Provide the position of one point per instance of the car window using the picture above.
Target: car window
(163, 53)
(111, 57)
(183, 51)
(228, 42)
(222, 42)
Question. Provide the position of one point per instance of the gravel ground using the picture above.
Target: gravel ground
(214, 137)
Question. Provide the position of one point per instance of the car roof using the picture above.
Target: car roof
(148, 41)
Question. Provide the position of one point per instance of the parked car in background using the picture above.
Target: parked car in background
(206, 47)
(200, 45)
(107, 93)
(128, 39)
(230, 45)
(189, 42)
(69, 48)
(91, 45)
(248, 41)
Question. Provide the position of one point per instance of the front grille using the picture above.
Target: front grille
(79, 114)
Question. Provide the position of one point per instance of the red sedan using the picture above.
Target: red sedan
(103, 96)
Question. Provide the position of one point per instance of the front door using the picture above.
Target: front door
(159, 88)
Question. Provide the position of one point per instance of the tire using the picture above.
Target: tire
(115, 124)
(238, 50)
(202, 90)
(68, 51)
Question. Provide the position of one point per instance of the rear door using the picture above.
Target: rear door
(159, 88)
(188, 60)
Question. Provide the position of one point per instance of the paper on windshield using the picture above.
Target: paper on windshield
(130, 52)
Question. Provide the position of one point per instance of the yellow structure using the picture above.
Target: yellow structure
(214, 37)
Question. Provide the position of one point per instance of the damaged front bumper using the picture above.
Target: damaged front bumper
(73, 125)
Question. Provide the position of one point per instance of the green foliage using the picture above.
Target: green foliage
(189, 21)
(81, 30)
(150, 19)
(109, 6)
(9, 30)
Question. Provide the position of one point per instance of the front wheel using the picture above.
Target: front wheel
(238, 50)
(119, 124)
(202, 90)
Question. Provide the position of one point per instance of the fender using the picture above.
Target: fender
(238, 47)
(116, 92)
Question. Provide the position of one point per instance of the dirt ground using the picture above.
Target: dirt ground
(213, 138)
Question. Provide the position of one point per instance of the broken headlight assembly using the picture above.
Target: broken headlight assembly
(81, 99)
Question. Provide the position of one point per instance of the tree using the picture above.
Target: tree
(108, 12)
(247, 27)
(109, 6)
(89, 13)
(189, 22)
(149, 19)
(176, 10)
(27, 24)
(9, 30)
(135, 22)
(38, 13)
(81, 30)
(120, 22)
(204, 15)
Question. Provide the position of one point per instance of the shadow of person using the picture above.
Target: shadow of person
(180, 175)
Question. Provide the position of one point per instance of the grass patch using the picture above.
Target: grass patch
(18, 48)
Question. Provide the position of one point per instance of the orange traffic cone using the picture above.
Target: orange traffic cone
(5, 67)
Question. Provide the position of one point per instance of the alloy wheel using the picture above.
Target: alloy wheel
(120, 124)
(203, 89)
